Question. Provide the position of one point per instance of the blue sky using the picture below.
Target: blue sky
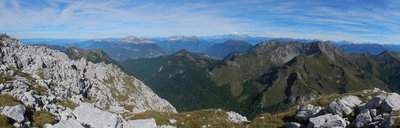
(358, 21)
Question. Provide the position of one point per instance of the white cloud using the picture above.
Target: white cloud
(307, 19)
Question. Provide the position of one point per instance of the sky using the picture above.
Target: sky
(373, 21)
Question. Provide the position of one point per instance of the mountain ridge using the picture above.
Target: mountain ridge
(47, 81)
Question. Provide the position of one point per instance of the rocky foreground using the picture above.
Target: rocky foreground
(382, 110)
(40, 87)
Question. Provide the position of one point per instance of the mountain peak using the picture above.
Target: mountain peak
(108, 40)
(172, 38)
(136, 40)
(8, 41)
(238, 34)
(285, 51)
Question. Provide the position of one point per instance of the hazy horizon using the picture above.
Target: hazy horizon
(355, 21)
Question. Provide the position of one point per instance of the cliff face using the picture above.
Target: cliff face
(45, 78)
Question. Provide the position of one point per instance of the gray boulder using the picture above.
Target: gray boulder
(307, 111)
(236, 117)
(376, 101)
(71, 123)
(344, 106)
(327, 121)
(363, 118)
(15, 112)
(142, 123)
(293, 125)
(95, 117)
(391, 103)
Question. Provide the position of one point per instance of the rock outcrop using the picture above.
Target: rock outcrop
(307, 111)
(344, 106)
(14, 112)
(350, 111)
(236, 117)
(95, 117)
(327, 121)
(49, 81)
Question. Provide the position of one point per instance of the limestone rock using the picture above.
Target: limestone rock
(67, 124)
(95, 117)
(307, 111)
(142, 123)
(363, 118)
(327, 121)
(166, 126)
(376, 101)
(14, 112)
(391, 103)
(236, 117)
(75, 80)
(344, 106)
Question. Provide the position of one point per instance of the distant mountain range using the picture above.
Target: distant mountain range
(121, 49)
(190, 43)
(270, 76)
(219, 51)
(369, 48)
(132, 47)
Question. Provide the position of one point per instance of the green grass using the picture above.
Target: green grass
(324, 100)
(39, 89)
(4, 79)
(216, 118)
(5, 122)
(67, 103)
(8, 100)
(195, 119)
(40, 118)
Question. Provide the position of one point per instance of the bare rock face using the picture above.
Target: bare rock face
(236, 117)
(142, 123)
(380, 111)
(67, 124)
(104, 85)
(376, 101)
(14, 112)
(363, 118)
(45, 78)
(95, 117)
(391, 103)
(307, 111)
(327, 121)
(344, 106)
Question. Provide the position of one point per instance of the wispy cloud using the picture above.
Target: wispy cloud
(366, 21)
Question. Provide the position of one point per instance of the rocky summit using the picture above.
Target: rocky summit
(363, 110)
(43, 87)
